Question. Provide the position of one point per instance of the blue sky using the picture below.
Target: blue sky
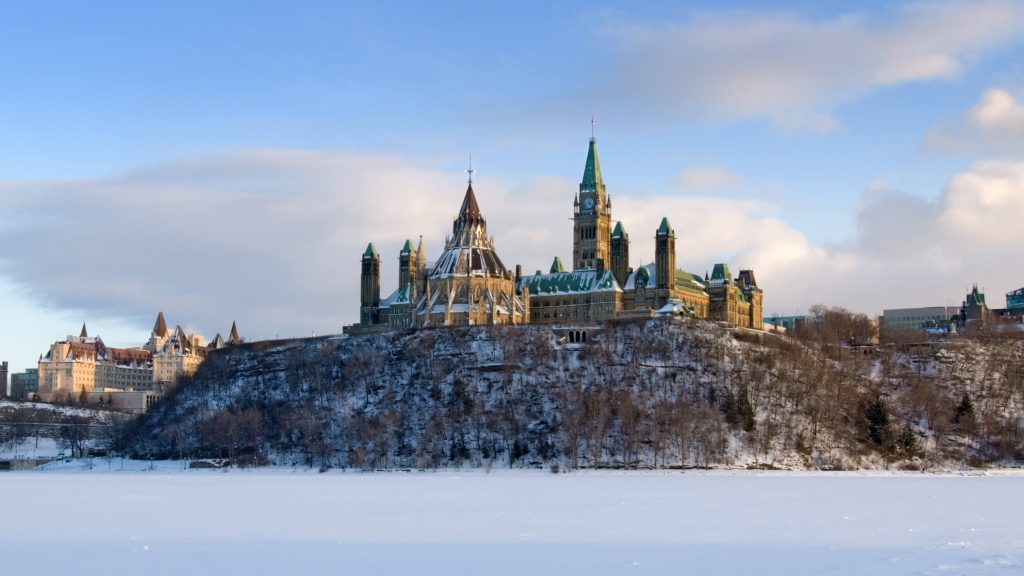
(229, 160)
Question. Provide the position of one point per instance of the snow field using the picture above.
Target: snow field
(281, 521)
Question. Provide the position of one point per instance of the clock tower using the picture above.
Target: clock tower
(592, 216)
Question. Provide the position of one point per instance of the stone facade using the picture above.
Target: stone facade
(174, 352)
(590, 293)
(84, 364)
(468, 284)
(974, 311)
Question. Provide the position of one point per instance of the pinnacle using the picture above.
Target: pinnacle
(592, 179)
(160, 327)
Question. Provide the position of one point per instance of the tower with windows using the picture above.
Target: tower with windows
(592, 216)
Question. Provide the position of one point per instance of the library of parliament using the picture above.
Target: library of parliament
(468, 284)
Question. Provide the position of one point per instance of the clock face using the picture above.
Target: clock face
(588, 204)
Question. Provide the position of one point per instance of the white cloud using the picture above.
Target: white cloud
(983, 208)
(267, 237)
(272, 238)
(705, 179)
(998, 110)
(796, 70)
(994, 126)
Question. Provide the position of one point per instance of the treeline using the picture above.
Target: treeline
(661, 393)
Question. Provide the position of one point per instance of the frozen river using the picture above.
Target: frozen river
(521, 522)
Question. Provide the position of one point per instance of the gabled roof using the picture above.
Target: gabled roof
(129, 355)
(689, 281)
(643, 277)
(400, 296)
(592, 179)
(975, 298)
(684, 280)
(575, 282)
(645, 272)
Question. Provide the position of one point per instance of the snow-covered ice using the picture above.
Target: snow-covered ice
(280, 521)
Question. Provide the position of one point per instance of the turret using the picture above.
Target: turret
(369, 292)
(591, 216)
(421, 268)
(592, 179)
(665, 255)
(620, 254)
(406, 265)
(160, 326)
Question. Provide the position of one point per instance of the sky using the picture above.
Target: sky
(229, 161)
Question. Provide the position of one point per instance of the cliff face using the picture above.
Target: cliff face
(661, 393)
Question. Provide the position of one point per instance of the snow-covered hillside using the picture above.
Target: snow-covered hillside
(34, 430)
(661, 393)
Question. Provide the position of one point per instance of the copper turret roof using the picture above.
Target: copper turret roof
(469, 250)
(592, 179)
(160, 328)
(469, 213)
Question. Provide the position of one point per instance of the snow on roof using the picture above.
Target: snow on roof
(684, 280)
(631, 280)
(575, 282)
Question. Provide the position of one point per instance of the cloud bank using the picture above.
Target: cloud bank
(272, 238)
(994, 127)
(795, 70)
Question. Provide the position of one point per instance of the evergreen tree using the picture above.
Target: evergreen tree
(907, 442)
(876, 416)
(963, 418)
(729, 408)
(745, 410)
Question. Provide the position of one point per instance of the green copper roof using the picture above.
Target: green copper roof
(721, 272)
(665, 227)
(371, 252)
(578, 281)
(689, 281)
(619, 231)
(976, 298)
(407, 248)
(592, 171)
(556, 265)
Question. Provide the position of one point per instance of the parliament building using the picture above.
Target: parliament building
(469, 285)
